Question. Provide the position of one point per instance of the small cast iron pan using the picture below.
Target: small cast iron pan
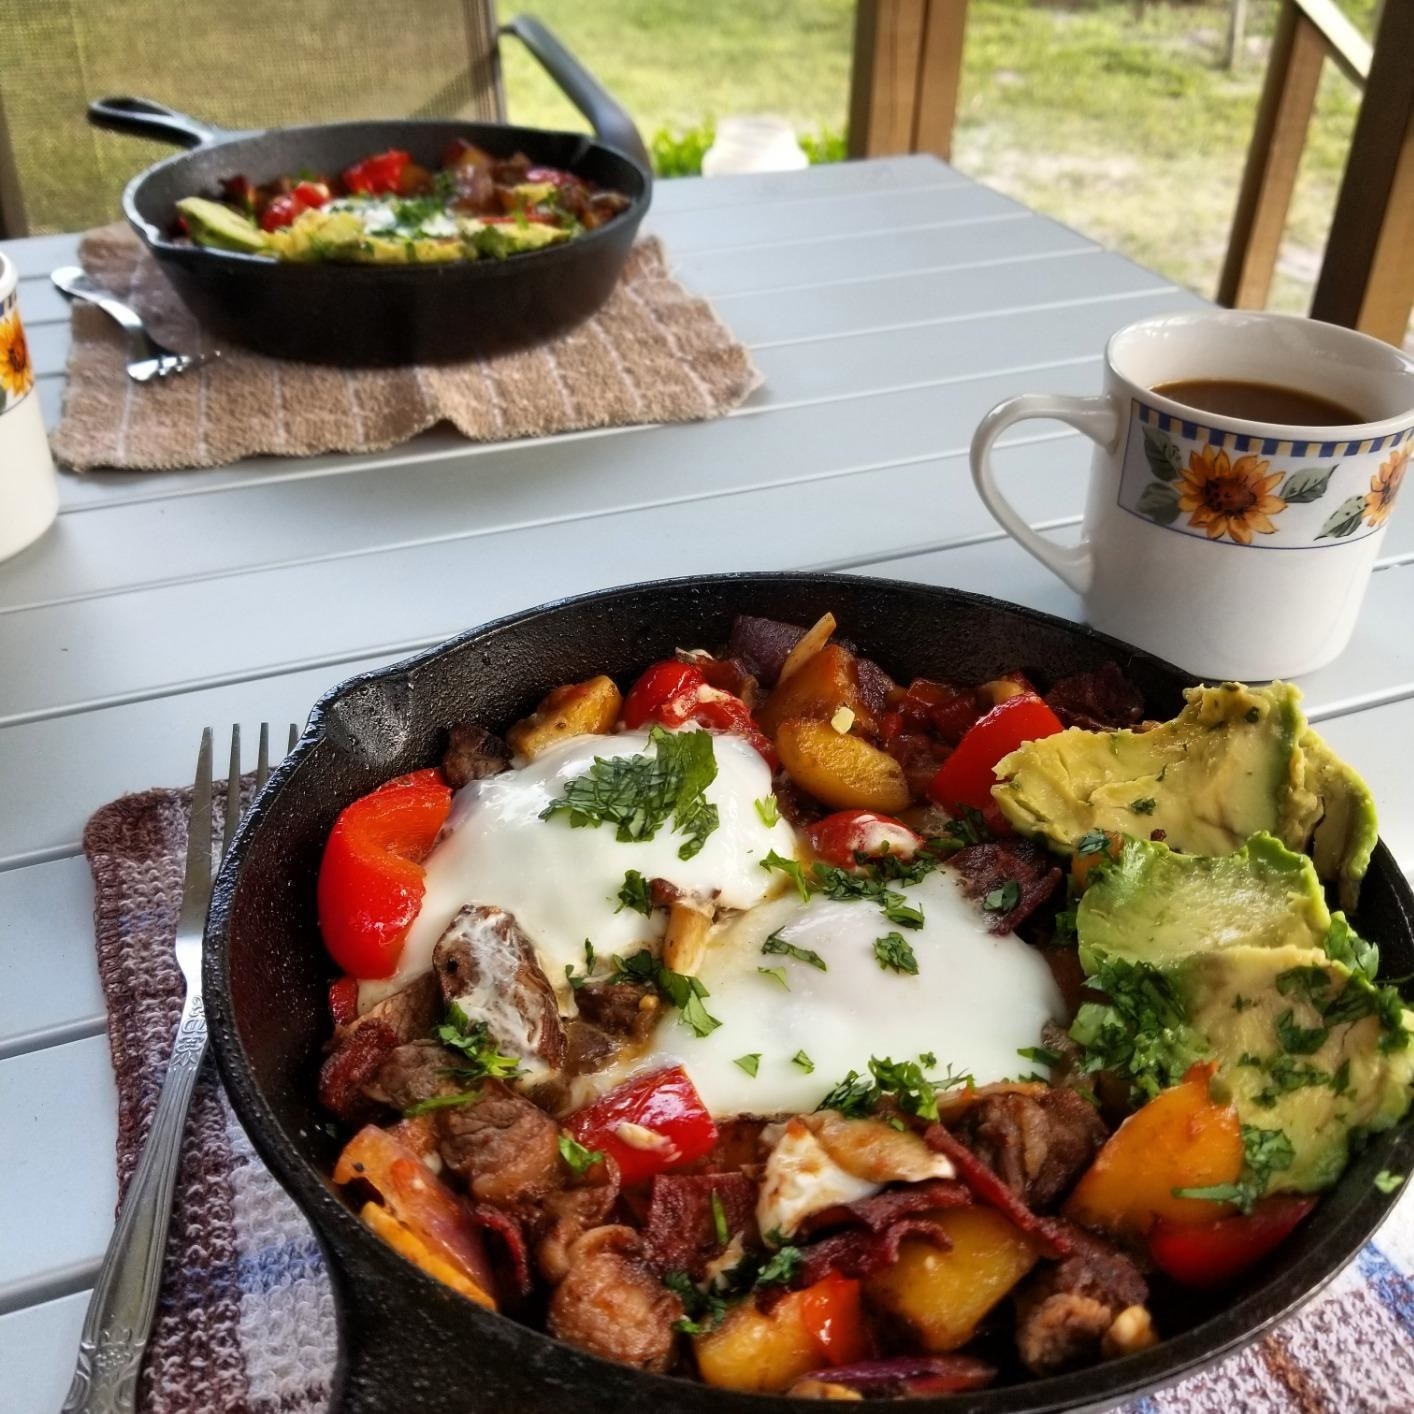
(410, 1343)
(360, 315)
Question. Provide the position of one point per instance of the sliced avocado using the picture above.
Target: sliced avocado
(1266, 982)
(319, 235)
(533, 193)
(1236, 761)
(1152, 905)
(509, 237)
(210, 223)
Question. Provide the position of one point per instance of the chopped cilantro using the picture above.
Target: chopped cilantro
(768, 810)
(719, 1220)
(776, 946)
(1299, 1040)
(441, 1102)
(702, 1310)
(575, 980)
(897, 909)
(640, 793)
(475, 1042)
(803, 1061)
(1388, 1182)
(1144, 805)
(928, 1060)
(1092, 842)
(1003, 898)
(1041, 1055)
(853, 1096)
(782, 1266)
(1241, 1003)
(579, 1159)
(895, 955)
(970, 828)
(777, 974)
(634, 893)
(1264, 1152)
(792, 869)
(1344, 945)
(750, 1064)
(681, 991)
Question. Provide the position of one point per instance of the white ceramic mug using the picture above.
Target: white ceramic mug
(29, 489)
(1235, 549)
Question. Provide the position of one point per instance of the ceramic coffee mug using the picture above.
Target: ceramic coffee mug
(29, 490)
(1235, 549)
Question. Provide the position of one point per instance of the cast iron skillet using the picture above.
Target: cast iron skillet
(410, 1343)
(377, 314)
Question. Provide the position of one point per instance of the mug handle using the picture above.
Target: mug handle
(1097, 418)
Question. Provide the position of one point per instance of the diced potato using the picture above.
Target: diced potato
(407, 1244)
(839, 770)
(999, 690)
(751, 1349)
(942, 1296)
(1181, 1139)
(825, 682)
(415, 1200)
(575, 709)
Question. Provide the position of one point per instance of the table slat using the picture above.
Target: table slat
(38, 1345)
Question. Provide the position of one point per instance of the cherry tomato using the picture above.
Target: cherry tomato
(833, 1316)
(377, 176)
(668, 1125)
(673, 694)
(281, 212)
(1217, 1252)
(371, 877)
(966, 777)
(313, 194)
(839, 839)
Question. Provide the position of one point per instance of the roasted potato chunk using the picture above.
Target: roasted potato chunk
(840, 770)
(942, 1296)
(824, 682)
(574, 709)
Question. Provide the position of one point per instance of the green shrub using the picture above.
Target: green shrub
(679, 154)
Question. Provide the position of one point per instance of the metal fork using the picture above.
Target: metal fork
(147, 359)
(124, 1301)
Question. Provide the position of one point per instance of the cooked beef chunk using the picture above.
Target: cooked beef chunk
(988, 867)
(410, 1014)
(618, 1008)
(1051, 1236)
(418, 1071)
(1036, 1144)
(763, 645)
(587, 1047)
(793, 803)
(568, 1213)
(902, 1375)
(486, 964)
(738, 1146)
(611, 1303)
(920, 756)
(472, 754)
(1063, 1311)
(505, 1147)
(680, 1231)
(874, 685)
(349, 1069)
(1099, 700)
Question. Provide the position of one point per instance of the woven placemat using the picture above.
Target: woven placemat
(247, 1321)
(653, 353)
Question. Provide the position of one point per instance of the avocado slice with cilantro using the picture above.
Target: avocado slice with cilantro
(210, 223)
(1238, 960)
(1236, 761)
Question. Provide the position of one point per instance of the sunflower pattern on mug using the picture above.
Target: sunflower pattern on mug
(1259, 492)
(16, 371)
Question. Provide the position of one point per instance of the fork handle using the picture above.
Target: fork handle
(75, 283)
(124, 1300)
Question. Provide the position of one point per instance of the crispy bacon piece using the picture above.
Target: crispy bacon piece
(344, 1073)
(506, 1229)
(986, 867)
(680, 1229)
(876, 1214)
(860, 1251)
(1051, 1235)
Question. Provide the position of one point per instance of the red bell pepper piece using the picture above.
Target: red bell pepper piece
(1217, 1252)
(371, 877)
(313, 194)
(281, 212)
(673, 694)
(833, 1316)
(840, 839)
(377, 176)
(650, 1124)
(966, 778)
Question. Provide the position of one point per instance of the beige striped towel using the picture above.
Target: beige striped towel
(653, 353)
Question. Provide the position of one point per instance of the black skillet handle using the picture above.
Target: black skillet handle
(611, 124)
(141, 117)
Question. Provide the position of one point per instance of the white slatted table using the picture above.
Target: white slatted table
(888, 304)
